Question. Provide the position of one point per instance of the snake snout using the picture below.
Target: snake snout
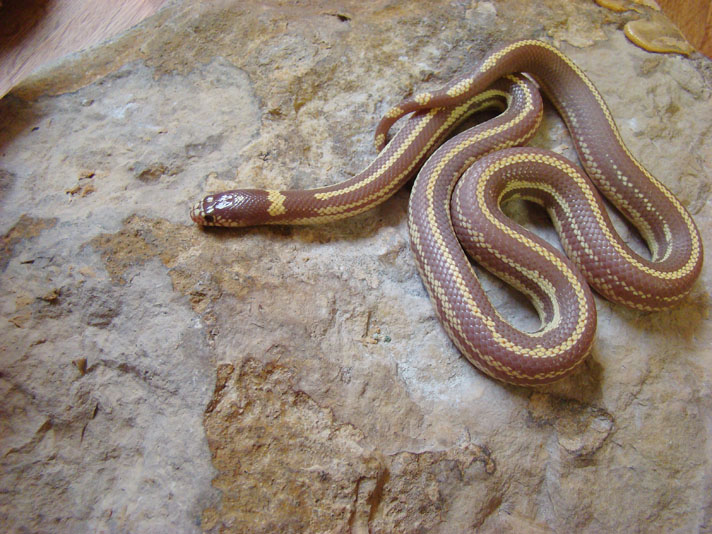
(197, 213)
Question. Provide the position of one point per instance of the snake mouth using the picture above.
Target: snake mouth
(197, 213)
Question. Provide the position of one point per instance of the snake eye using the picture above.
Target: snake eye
(208, 218)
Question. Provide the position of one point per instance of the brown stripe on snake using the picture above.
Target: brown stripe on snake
(554, 283)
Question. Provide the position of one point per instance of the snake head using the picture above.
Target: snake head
(236, 208)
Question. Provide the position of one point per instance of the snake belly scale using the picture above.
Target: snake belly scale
(456, 206)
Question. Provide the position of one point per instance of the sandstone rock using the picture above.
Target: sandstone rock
(296, 379)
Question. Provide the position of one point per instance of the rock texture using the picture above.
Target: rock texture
(160, 378)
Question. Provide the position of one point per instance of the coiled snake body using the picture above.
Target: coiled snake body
(450, 210)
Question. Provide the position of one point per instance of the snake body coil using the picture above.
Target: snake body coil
(449, 211)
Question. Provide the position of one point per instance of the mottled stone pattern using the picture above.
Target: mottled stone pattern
(160, 378)
(321, 477)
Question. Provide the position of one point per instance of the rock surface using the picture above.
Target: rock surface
(160, 378)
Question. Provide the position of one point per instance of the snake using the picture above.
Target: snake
(456, 212)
